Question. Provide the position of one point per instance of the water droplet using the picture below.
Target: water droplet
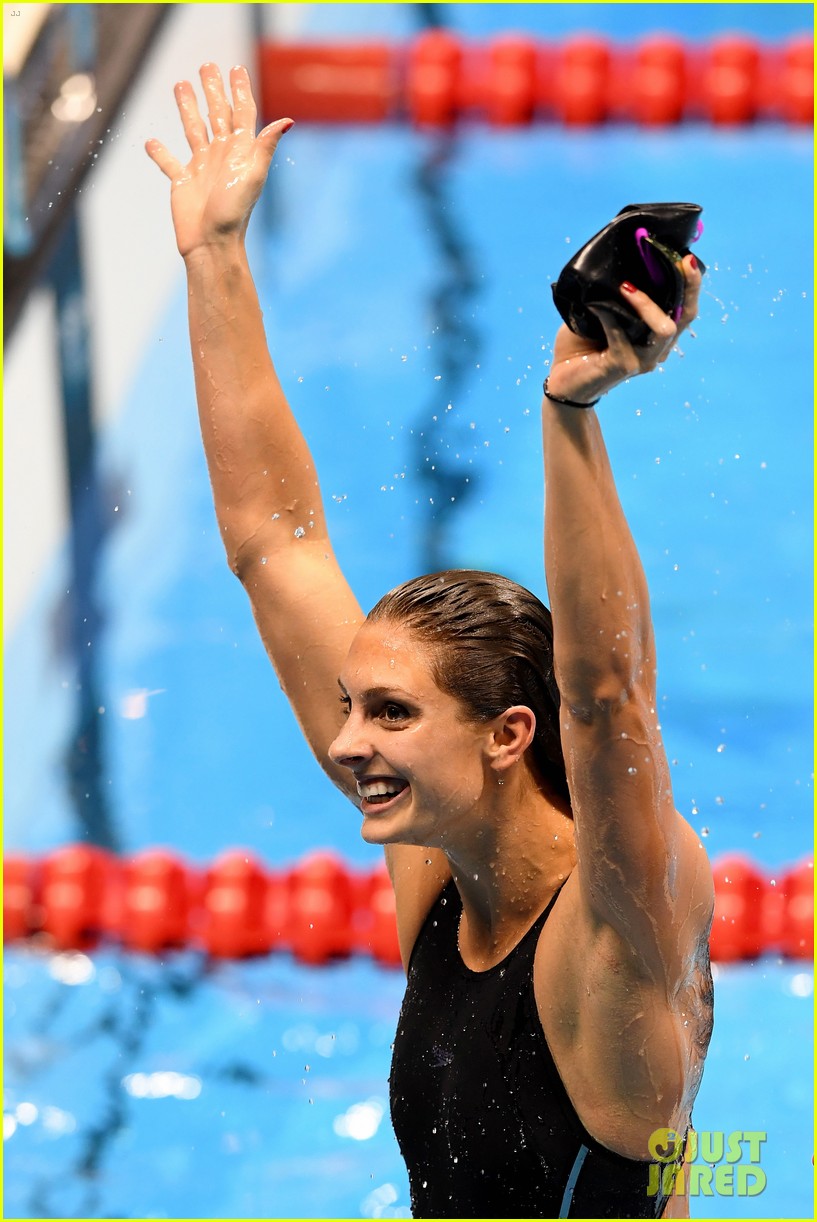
(632, 771)
(721, 748)
(299, 532)
(263, 560)
(704, 831)
(275, 517)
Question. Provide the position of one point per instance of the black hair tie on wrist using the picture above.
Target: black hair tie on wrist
(564, 402)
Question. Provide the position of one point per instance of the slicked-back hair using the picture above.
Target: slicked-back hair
(492, 648)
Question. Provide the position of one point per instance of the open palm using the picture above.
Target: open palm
(212, 196)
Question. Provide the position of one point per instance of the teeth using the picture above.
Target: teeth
(379, 789)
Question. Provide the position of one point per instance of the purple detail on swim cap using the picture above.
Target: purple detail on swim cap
(650, 262)
(699, 228)
(677, 312)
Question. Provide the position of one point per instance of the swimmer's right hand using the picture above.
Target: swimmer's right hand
(213, 196)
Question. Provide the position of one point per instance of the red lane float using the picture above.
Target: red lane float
(510, 86)
(657, 84)
(233, 920)
(797, 931)
(440, 77)
(731, 80)
(737, 926)
(433, 79)
(157, 895)
(79, 895)
(329, 83)
(581, 90)
(320, 909)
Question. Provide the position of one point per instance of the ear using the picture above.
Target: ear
(511, 735)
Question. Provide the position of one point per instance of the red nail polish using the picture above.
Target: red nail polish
(629, 288)
(693, 262)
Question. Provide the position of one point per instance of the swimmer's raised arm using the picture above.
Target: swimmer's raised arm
(639, 864)
(264, 482)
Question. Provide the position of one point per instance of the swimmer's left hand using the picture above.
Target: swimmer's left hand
(582, 371)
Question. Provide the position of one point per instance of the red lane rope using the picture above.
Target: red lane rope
(441, 77)
(319, 910)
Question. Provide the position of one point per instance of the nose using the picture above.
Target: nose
(350, 748)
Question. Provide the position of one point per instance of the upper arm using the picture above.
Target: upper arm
(418, 875)
(641, 868)
(307, 616)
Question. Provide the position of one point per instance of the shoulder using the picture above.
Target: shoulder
(649, 929)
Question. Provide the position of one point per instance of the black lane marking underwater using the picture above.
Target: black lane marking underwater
(126, 1018)
(84, 755)
(442, 442)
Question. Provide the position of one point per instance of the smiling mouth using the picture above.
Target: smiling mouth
(380, 793)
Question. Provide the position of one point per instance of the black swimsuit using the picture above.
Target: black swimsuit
(483, 1121)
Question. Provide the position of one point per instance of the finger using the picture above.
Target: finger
(269, 136)
(692, 290)
(659, 323)
(219, 112)
(620, 356)
(192, 122)
(245, 113)
(166, 162)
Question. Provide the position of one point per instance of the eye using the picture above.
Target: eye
(393, 712)
(346, 704)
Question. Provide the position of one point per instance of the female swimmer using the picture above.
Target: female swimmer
(553, 907)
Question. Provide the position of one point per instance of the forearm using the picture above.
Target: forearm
(264, 482)
(603, 642)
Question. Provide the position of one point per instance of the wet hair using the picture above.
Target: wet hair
(492, 648)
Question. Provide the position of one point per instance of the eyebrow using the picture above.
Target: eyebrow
(377, 693)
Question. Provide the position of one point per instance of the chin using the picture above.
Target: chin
(383, 831)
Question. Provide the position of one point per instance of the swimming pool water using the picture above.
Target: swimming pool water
(178, 1089)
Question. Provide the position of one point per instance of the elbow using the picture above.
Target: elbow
(596, 696)
(243, 564)
(597, 704)
(245, 551)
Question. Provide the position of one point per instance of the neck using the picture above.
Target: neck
(507, 871)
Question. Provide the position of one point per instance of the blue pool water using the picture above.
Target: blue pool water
(177, 1088)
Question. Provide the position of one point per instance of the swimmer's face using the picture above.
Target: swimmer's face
(420, 766)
